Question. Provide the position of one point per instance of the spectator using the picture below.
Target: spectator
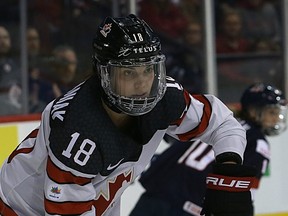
(64, 67)
(175, 182)
(260, 19)
(191, 9)
(193, 35)
(185, 63)
(230, 38)
(10, 91)
(40, 90)
(47, 85)
(39, 86)
(36, 57)
(79, 29)
(33, 42)
(48, 18)
(167, 19)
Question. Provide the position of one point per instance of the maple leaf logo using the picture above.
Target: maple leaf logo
(55, 190)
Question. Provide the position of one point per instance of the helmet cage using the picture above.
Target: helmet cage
(260, 97)
(281, 124)
(134, 105)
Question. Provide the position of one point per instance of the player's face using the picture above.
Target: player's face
(270, 116)
(135, 82)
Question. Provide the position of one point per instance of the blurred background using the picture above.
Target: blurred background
(212, 46)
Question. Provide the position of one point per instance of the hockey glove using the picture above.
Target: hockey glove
(228, 191)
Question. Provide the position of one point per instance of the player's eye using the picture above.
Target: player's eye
(149, 69)
(128, 74)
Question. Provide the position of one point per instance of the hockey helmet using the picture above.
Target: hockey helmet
(129, 62)
(260, 97)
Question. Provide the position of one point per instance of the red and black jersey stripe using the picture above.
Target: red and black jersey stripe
(64, 177)
(207, 110)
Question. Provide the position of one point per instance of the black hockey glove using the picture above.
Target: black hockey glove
(228, 191)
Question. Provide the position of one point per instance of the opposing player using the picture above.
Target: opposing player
(175, 183)
(97, 138)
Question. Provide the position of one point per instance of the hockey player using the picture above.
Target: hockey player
(97, 138)
(263, 114)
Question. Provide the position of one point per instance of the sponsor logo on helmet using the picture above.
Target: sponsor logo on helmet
(124, 51)
(127, 51)
(146, 49)
(106, 29)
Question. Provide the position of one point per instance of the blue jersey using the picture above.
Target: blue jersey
(178, 175)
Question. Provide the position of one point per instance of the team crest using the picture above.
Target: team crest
(106, 29)
(55, 192)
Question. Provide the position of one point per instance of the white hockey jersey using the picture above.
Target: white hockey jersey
(78, 163)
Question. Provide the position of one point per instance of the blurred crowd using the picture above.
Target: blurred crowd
(58, 36)
(248, 41)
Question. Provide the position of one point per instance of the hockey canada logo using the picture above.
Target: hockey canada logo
(106, 29)
(55, 192)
